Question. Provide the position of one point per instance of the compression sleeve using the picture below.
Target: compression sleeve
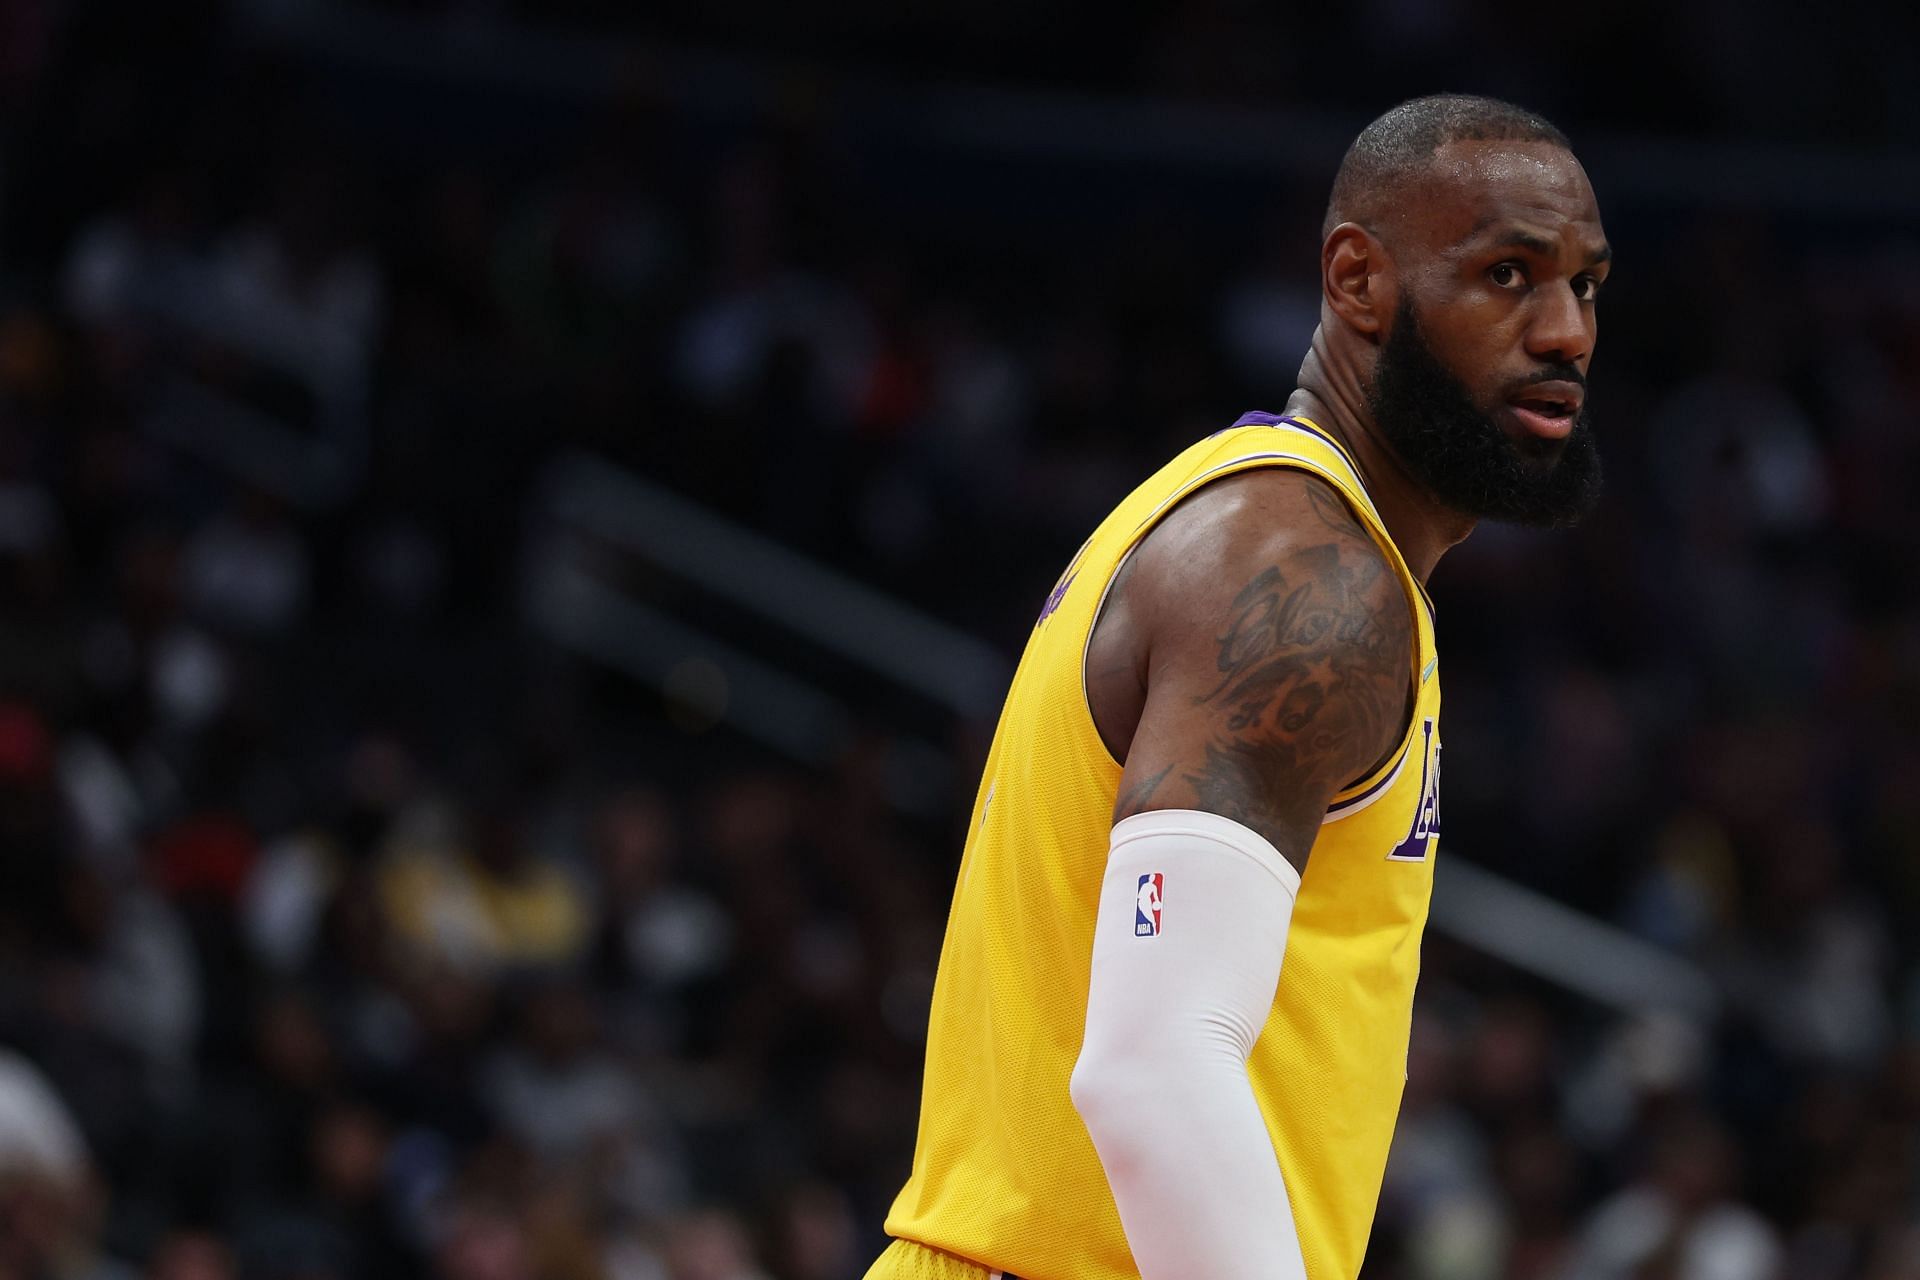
(1187, 946)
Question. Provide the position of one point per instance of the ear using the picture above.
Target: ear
(1357, 279)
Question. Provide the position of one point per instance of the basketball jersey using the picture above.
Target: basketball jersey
(1004, 1173)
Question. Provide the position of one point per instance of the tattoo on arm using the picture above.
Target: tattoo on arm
(1134, 799)
(1313, 681)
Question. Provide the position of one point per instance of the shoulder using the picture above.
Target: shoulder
(1280, 652)
(1246, 534)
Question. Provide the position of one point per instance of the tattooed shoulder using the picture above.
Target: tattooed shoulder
(1311, 675)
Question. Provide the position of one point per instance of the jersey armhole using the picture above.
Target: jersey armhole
(1086, 646)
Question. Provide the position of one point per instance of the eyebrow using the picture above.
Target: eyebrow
(1515, 238)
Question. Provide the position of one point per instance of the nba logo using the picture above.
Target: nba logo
(1146, 907)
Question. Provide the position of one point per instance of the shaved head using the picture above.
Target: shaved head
(1399, 147)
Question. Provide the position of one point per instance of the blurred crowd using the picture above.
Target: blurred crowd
(348, 930)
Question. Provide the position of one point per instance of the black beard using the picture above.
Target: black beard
(1460, 454)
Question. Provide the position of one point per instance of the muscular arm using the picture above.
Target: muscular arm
(1270, 642)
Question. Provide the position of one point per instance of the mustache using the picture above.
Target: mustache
(1554, 373)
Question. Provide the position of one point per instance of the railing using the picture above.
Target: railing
(585, 504)
(757, 574)
(305, 440)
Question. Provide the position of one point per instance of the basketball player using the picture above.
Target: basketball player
(1221, 751)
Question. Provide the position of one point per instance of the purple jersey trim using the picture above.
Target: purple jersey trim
(1354, 804)
(1259, 418)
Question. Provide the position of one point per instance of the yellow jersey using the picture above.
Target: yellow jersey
(1004, 1174)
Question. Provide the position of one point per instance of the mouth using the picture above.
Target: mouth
(1547, 410)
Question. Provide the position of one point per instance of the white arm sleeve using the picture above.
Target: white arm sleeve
(1184, 973)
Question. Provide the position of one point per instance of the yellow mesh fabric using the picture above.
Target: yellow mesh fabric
(905, 1260)
(1004, 1173)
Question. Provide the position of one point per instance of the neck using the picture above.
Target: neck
(1421, 527)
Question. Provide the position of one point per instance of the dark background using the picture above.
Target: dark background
(372, 907)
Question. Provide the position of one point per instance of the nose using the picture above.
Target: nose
(1561, 328)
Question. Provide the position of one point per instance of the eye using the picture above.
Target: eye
(1586, 287)
(1507, 275)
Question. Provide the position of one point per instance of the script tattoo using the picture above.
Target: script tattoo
(1313, 679)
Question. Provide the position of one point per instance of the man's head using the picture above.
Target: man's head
(1461, 259)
